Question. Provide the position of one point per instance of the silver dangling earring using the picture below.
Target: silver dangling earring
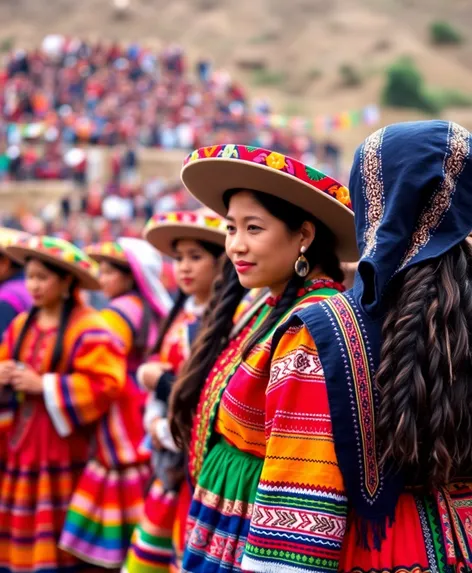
(302, 266)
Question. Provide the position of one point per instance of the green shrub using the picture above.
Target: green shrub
(6, 44)
(405, 87)
(314, 74)
(449, 98)
(442, 33)
(264, 38)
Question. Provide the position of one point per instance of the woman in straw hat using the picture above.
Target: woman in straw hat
(388, 486)
(288, 225)
(14, 298)
(60, 369)
(195, 240)
(117, 476)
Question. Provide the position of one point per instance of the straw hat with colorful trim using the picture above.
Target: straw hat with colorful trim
(210, 171)
(60, 253)
(107, 251)
(10, 237)
(164, 229)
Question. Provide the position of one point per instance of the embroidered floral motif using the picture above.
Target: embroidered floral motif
(341, 193)
(198, 219)
(61, 250)
(278, 162)
(371, 167)
(229, 151)
(106, 249)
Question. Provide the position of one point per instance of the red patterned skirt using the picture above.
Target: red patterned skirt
(430, 534)
(38, 474)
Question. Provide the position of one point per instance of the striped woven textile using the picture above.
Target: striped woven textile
(109, 499)
(239, 421)
(157, 542)
(45, 442)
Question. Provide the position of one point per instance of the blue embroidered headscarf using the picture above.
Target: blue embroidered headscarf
(411, 187)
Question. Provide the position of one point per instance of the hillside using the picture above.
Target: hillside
(302, 44)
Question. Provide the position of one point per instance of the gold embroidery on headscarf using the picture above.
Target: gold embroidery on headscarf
(373, 189)
(458, 150)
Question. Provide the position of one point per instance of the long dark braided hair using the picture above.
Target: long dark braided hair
(67, 308)
(424, 421)
(209, 343)
(227, 295)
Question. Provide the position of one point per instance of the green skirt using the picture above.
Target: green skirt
(221, 510)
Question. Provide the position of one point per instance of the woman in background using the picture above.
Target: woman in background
(195, 240)
(60, 371)
(14, 298)
(109, 499)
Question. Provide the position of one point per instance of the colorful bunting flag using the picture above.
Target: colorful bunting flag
(369, 115)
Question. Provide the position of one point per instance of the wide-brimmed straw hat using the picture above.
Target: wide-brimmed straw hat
(60, 253)
(164, 229)
(211, 171)
(10, 237)
(108, 251)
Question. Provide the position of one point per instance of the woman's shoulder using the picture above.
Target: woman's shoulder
(317, 291)
(16, 326)
(129, 307)
(86, 318)
(128, 303)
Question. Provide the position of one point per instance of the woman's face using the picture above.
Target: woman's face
(195, 269)
(113, 281)
(45, 287)
(262, 247)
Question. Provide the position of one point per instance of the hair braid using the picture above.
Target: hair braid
(425, 415)
(210, 341)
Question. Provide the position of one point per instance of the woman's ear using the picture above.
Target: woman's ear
(308, 233)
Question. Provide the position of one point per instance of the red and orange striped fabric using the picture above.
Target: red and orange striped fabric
(47, 438)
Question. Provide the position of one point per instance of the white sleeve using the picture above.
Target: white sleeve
(164, 435)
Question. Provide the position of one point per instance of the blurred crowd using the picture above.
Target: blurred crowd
(60, 101)
(69, 92)
(103, 211)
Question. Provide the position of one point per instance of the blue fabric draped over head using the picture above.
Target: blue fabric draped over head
(411, 188)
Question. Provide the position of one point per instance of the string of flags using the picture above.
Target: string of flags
(321, 124)
(368, 115)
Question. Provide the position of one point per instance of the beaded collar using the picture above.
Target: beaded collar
(309, 286)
